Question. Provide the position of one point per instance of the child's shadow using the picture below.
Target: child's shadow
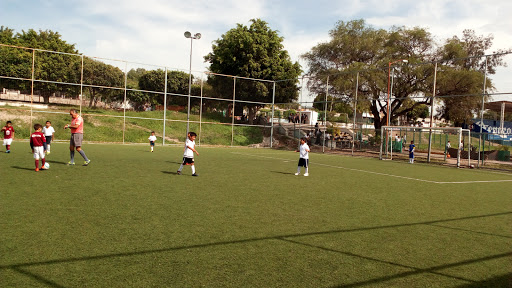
(281, 172)
(22, 168)
(169, 172)
(57, 162)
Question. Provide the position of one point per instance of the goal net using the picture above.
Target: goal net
(451, 145)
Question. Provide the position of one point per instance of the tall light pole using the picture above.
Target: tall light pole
(196, 36)
(388, 118)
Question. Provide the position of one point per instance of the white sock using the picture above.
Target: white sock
(298, 169)
(193, 169)
(48, 148)
(307, 170)
(151, 148)
(181, 168)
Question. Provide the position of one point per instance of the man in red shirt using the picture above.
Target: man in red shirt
(77, 132)
(8, 136)
(38, 145)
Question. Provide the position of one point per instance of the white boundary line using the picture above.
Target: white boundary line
(382, 174)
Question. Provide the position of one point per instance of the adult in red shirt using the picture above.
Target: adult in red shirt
(77, 135)
(8, 136)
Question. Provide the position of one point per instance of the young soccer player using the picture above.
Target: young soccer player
(152, 140)
(8, 136)
(48, 132)
(304, 157)
(38, 145)
(411, 152)
(188, 155)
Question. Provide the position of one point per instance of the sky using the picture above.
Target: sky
(151, 31)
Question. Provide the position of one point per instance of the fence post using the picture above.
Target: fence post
(81, 84)
(432, 115)
(325, 112)
(32, 90)
(233, 112)
(482, 114)
(165, 107)
(272, 118)
(355, 113)
(200, 112)
(124, 102)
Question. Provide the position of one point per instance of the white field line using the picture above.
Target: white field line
(382, 174)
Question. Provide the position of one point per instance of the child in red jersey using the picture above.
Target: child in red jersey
(8, 136)
(38, 145)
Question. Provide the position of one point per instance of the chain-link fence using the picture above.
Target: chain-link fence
(341, 112)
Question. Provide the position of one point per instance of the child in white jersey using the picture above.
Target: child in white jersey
(48, 132)
(152, 140)
(304, 157)
(188, 155)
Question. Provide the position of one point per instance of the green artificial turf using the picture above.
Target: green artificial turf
(127, 220)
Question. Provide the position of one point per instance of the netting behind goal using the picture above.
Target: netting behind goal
(450, 145)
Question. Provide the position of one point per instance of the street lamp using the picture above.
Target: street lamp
(388, 118)
(196, 36)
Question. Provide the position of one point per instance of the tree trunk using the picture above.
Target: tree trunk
(252, 114)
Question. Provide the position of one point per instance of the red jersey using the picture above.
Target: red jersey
(8, 132)
(37, 139)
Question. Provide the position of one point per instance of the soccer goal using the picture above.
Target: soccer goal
(431, 143)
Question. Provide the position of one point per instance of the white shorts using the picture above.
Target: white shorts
(38, 152)
(7, 141)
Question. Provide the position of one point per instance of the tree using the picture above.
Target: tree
(54, 67)
(254, 52)
(463, 76)
(354, 46)
(97, 73)
(177, 83)
(17, 62)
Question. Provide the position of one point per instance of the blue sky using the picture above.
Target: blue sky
(151, 31)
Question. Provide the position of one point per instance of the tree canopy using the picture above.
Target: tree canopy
(375, 53)
(254, 51)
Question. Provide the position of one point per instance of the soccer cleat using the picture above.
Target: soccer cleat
(8, 151)
(37, 169)
(178, 172)
(195, 174)
(48, 153)
(306, 174)
(87, 162)
(297, 174)
(71, 163)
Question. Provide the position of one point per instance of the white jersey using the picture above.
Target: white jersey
(152, 138)
(48, 131)
(304, 151)
(188, 152)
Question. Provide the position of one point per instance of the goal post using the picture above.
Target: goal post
(431, 143)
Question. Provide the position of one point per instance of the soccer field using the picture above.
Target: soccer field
(127, 220)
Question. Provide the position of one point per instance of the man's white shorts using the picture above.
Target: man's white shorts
(38, 152)
(7, 141)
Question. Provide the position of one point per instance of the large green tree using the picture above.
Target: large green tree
(177, 86)
(254, 51)
(356, 46)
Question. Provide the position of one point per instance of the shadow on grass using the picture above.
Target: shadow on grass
(57, 162)
(22, 168)
(284, 173)
(169, 172)
(500, 281)
(503, 281)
